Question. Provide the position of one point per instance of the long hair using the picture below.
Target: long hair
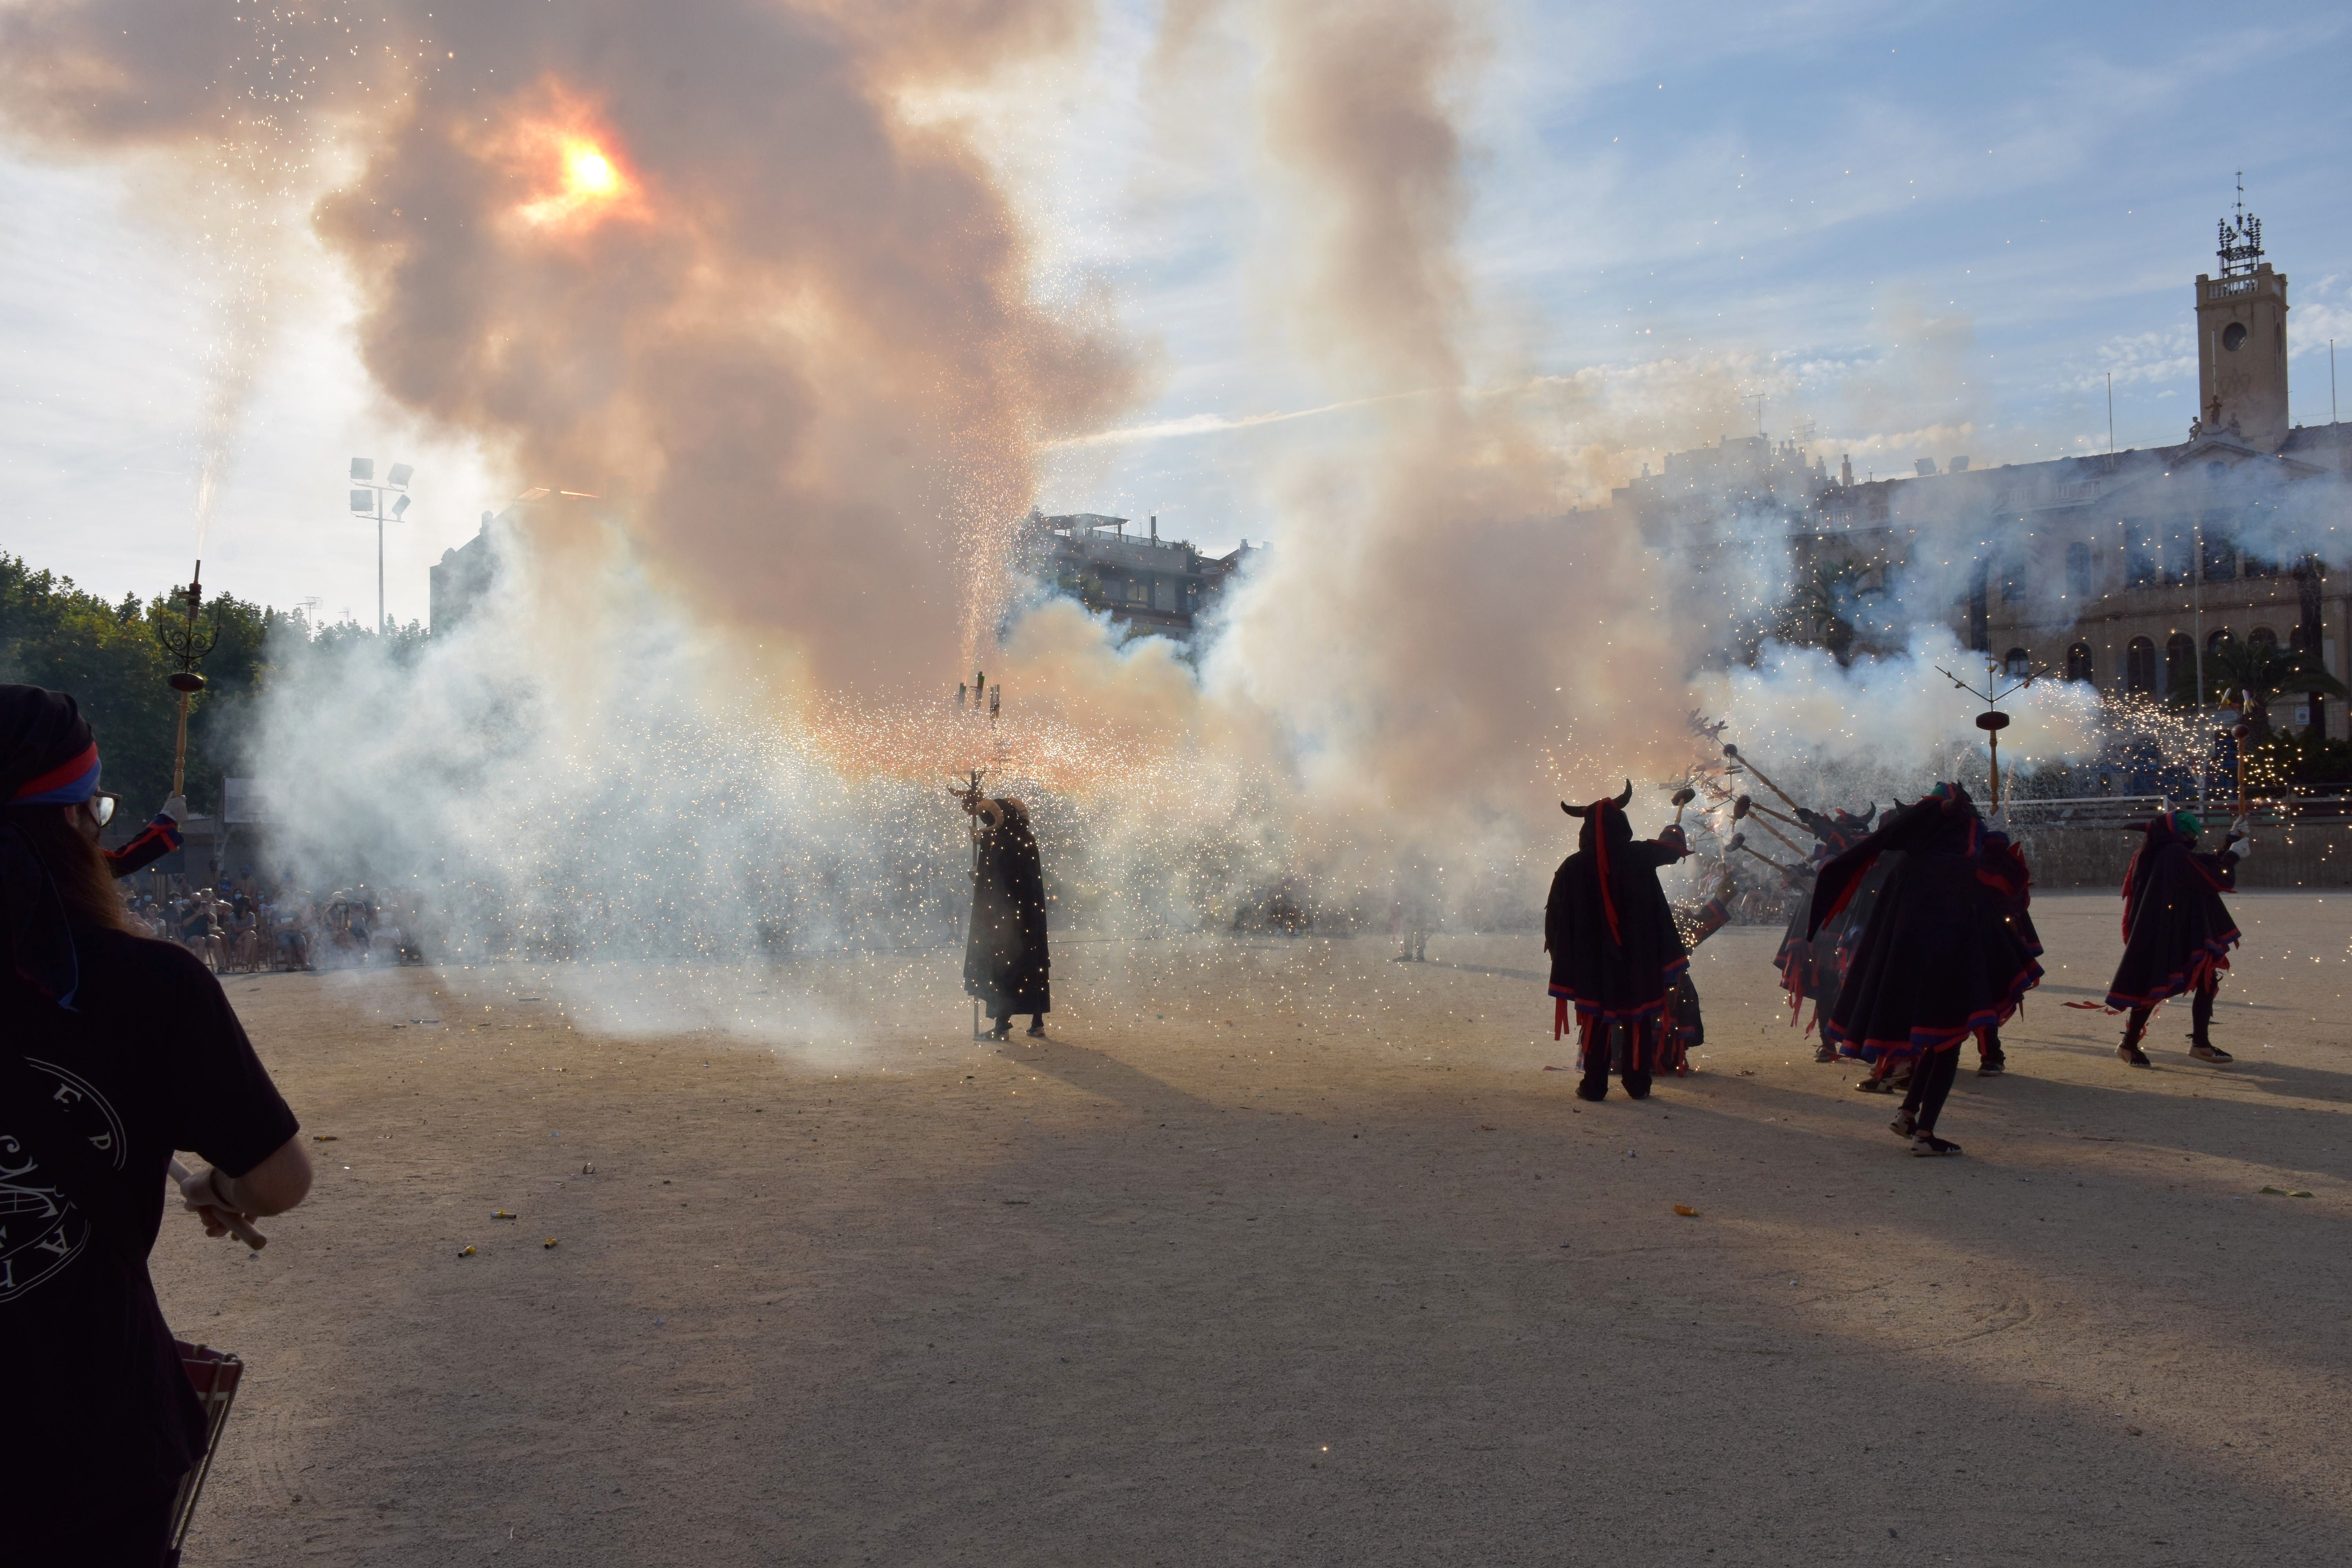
(85, 885)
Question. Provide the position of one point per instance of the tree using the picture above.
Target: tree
(2264, 673)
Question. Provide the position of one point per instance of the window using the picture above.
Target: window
(2219, 640)
(2140, 546)
(2256, 566)
(2233, 336)
(2262, 637)
(2020, 664)
(2179, 551)
(2179, 658)
(2220, 550)
(2139, 666)
(2012, 580)
(2078, 662)
(2078, 570)
(1139, 592)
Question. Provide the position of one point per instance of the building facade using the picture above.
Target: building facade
(1150, 583)
(2112, 569)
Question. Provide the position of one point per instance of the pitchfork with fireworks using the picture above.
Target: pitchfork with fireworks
(1993, 720)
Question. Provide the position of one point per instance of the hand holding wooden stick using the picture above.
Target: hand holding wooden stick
(204, 1201)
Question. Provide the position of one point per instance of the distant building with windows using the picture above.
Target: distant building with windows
(1150, 583)
(465, 576)
(2108, 569)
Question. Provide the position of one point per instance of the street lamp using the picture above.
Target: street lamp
(367, 501)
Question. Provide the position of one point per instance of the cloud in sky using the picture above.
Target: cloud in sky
(1774, 192)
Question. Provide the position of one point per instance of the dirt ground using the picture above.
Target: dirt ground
(1279, 1252)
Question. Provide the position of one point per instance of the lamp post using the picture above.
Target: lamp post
(367, 501)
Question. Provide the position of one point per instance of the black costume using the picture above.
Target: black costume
(1615, 954)
(2177, 932)
(1947, 952)
(1809, 970)
(1004, 960)
(1680, 1026)
(114, 1051)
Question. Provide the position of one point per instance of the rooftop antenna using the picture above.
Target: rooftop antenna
(2241, 246)
(1759, 399)
(2111, 411)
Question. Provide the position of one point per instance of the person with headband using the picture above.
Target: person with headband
(1615, 954)
(2177, 932)
(115, 1051)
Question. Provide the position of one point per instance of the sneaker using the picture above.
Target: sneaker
(1993, 1067)
(1036, 1031)
(2211, 1053)
(2131, 1053)
(1927, 1143)
(1902, 1125)
(1825, 1052)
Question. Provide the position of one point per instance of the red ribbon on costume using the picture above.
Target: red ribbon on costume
(1595, 813)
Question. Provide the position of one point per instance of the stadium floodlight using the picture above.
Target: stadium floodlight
(367, 501)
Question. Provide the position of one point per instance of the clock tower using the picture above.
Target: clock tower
(2242, 340)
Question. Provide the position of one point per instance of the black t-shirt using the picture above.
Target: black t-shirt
(152, 1060)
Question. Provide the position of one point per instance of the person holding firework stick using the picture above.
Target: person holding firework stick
(1006, 966)
(1615, 954)
(115, 1051)
(2177, 932)
(1942, 956)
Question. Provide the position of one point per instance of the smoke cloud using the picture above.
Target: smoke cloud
(744, 273)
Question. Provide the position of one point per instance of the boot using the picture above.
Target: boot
(2200, 1032)
(1990, 1059)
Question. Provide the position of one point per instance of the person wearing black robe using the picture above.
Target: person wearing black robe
(1680, 1026)
(1005, 963)
(1941, 958)
(2177, 932)
(1615, 954)
(1811, 971)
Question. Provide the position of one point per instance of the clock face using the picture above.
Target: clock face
(2233, 335)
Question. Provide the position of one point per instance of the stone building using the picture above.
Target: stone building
(2111, 568)
(1153, 584)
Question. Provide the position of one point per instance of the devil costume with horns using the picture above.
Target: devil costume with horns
(1615, 954)
(1005, 963)
(2177, 932)
(1944, 954)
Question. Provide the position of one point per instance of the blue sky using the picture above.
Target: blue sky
(1926, 228)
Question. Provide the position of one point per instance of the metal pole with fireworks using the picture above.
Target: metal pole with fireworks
(185, 644)
(1993, 720)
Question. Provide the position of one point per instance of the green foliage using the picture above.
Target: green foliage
(114, 659)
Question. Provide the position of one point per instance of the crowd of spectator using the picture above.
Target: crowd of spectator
(243, 925)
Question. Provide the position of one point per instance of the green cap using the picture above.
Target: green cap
(2189, 821)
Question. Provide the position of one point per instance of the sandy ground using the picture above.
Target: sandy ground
(1278, 1252)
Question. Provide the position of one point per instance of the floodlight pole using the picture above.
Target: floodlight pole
(397, 478)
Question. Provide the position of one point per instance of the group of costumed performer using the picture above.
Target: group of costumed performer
(2177, 932)
(1948, 950)
(1005, 963)
(1616, 956)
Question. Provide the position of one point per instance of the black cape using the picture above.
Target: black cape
(1948, 949)
(1004, 961)
(1613, 972)
(2177, 931)
(1810, 970)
